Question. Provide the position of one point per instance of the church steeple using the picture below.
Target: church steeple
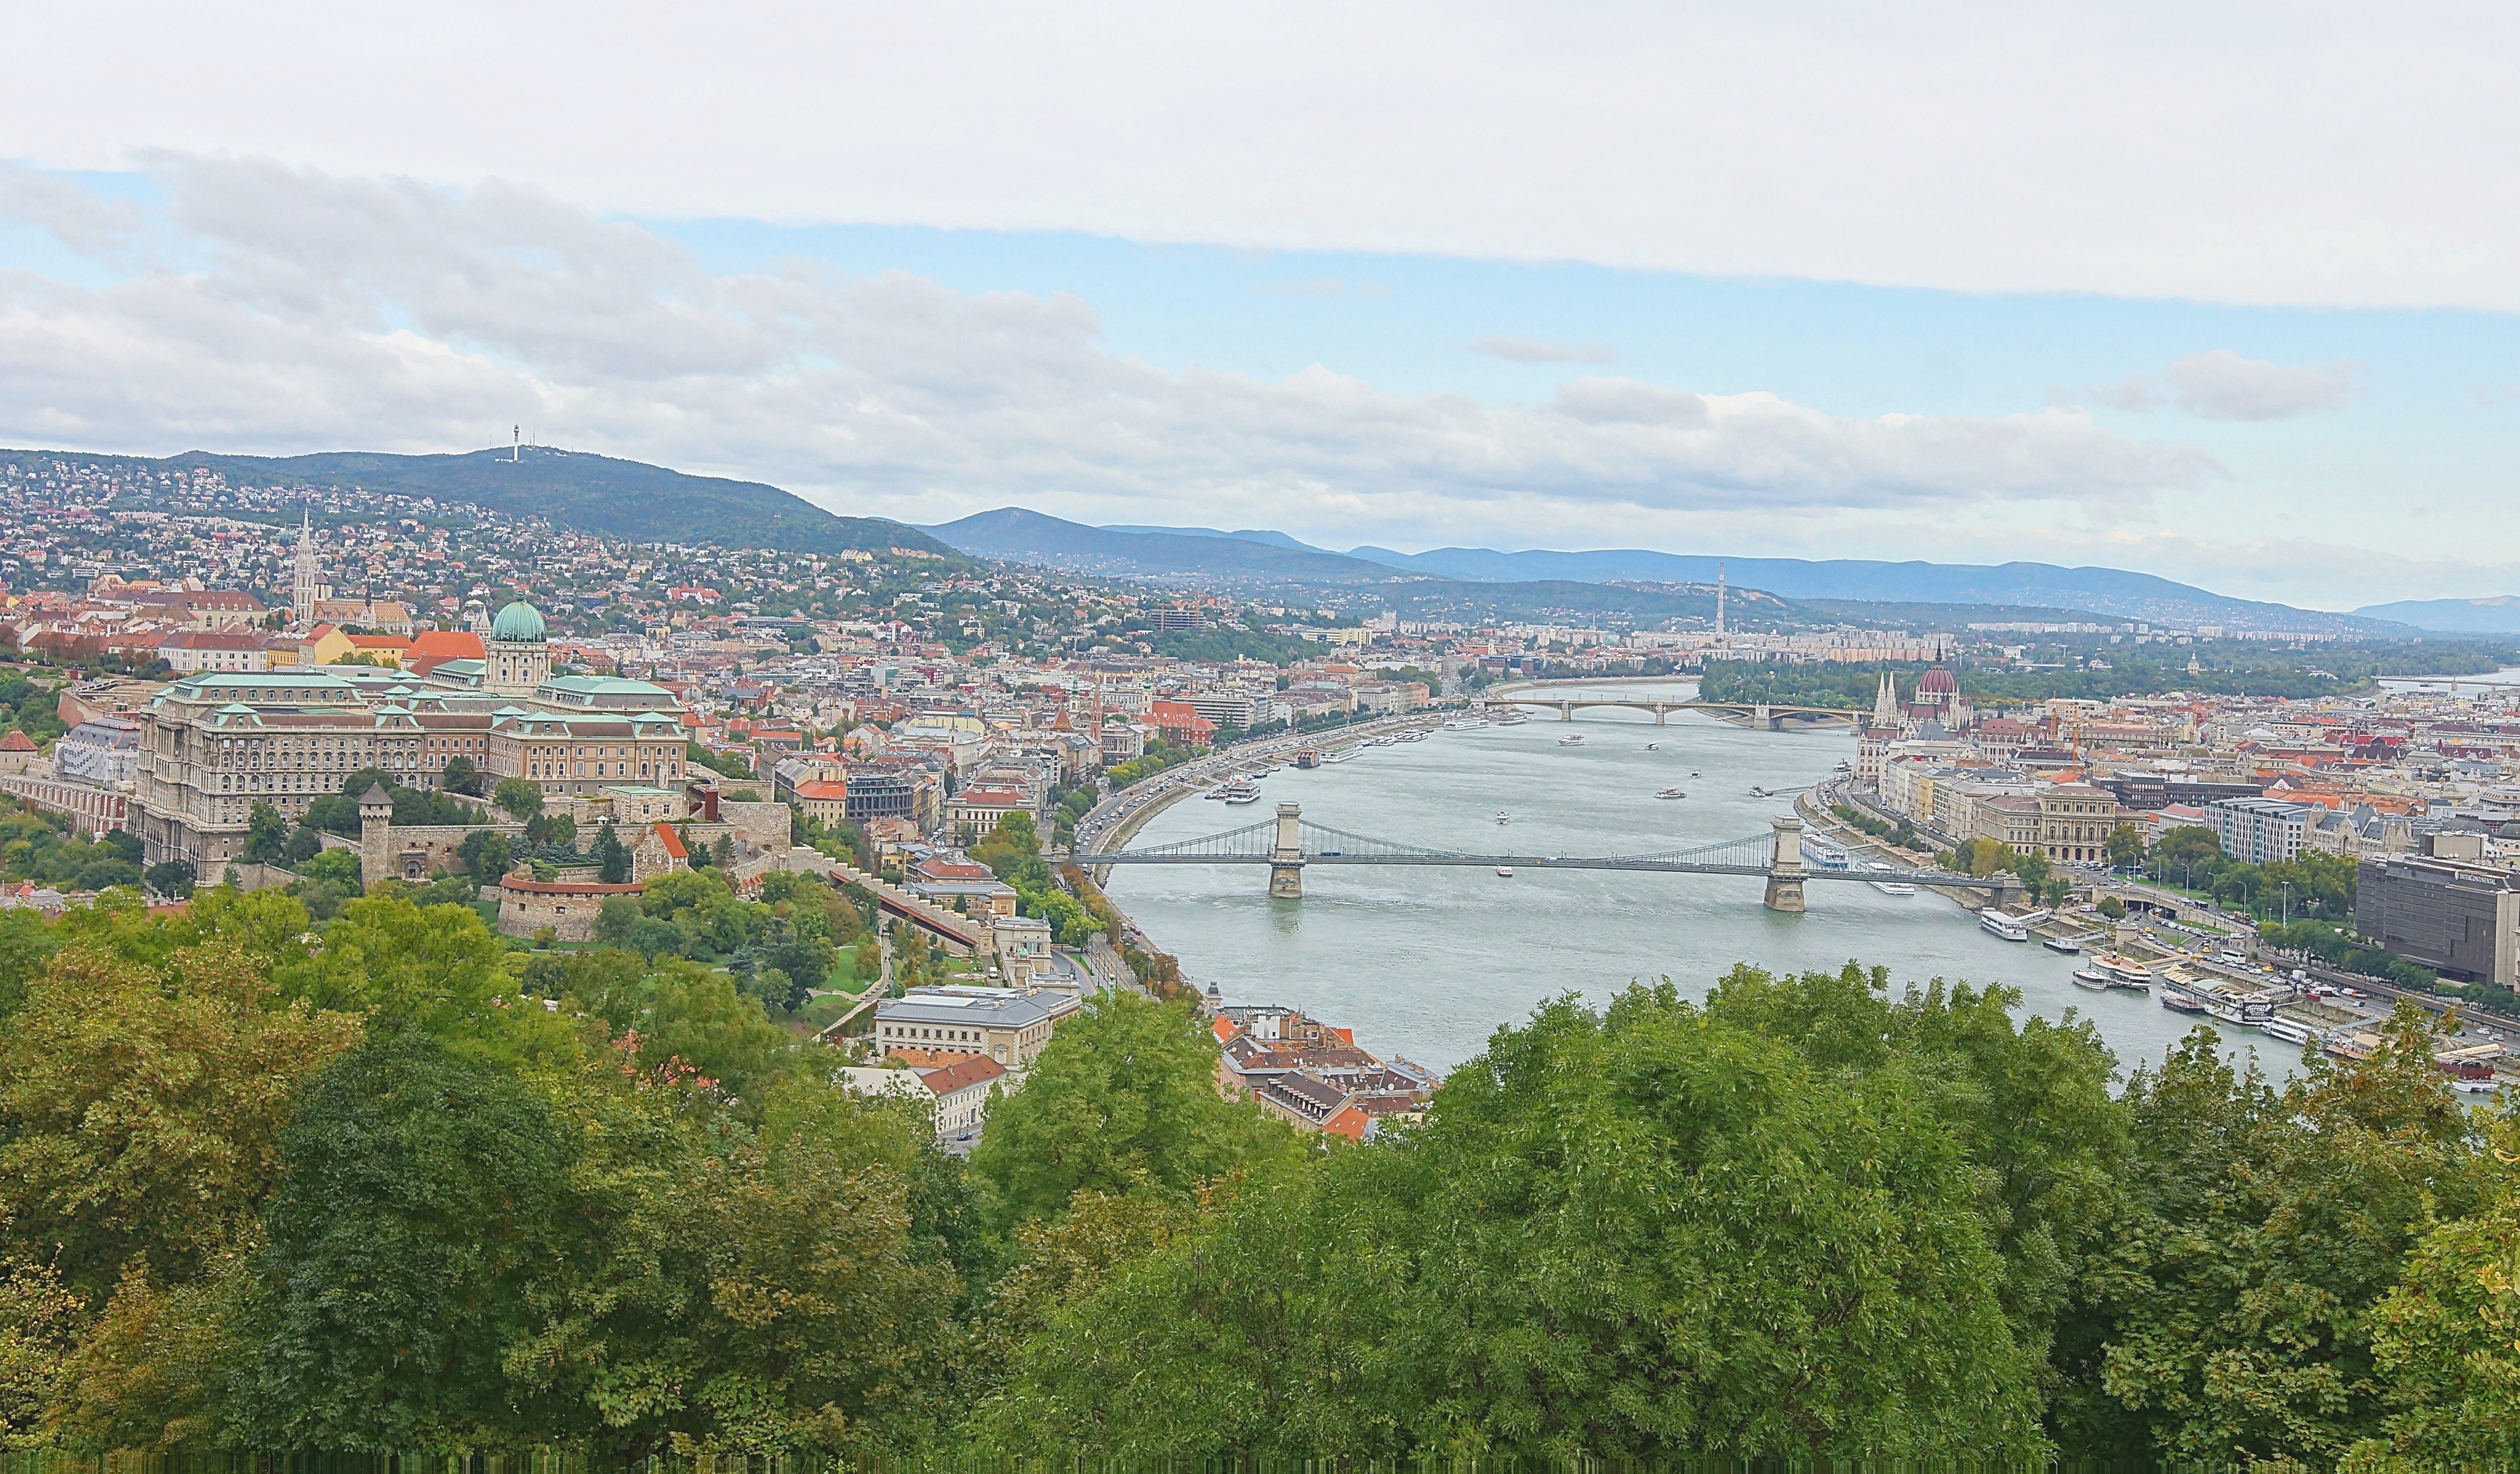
(1885, 704)
(302, 594)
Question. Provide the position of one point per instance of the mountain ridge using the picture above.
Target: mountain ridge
(603, 495)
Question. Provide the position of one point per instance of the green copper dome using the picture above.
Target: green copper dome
(517, 621)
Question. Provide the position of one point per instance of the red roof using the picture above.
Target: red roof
(434, 648)
(823, 788)
(979, 1069)
(14, 740)
(672, 841)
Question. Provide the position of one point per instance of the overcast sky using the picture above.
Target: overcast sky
(2221, 293)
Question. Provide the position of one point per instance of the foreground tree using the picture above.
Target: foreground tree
(1636, 1233)
(1123, 1099)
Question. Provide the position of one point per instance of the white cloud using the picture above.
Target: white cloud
(2351, 155)
(75, 217)
(2224, 386)
(338, 313)
(1523, 350)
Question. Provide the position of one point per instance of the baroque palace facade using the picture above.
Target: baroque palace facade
(218, 742)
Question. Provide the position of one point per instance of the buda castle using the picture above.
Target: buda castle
(215, 744)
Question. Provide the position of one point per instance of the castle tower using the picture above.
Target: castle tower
(301, 599)
(519, 659)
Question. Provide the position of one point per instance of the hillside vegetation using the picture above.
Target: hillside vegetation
(371, 1189)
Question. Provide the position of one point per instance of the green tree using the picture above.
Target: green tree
(1123, 1097)
(335, 867)
(171, 877)
(486, 855)
(461, 776)
(2262, 1229)
(620, 916)
(2124, 847)
(519, 797)
(267, 834)
(142, 1089)
(1639, 1234)
(612, 860)
(421, 1194)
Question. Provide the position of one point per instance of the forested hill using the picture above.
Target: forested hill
(598, 494)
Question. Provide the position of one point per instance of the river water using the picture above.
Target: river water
(1427, 963)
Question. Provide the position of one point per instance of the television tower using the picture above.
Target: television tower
(515, 443)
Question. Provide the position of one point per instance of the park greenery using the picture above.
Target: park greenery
(2089, 668)
(1012, 850)
(1158, 756)
(380, 1184)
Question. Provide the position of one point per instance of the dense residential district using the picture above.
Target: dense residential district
(711, 920)
(575, 735)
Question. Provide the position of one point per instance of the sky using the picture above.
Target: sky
(2217, 291)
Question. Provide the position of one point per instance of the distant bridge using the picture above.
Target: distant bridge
(1767, 714)
(1289, 843)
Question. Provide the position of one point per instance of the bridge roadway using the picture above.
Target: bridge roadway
(1757, 713)
(1287, 845)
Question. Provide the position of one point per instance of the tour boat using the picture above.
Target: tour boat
(2011, 929)
(2124, 971)
(1892, 887)
(1242, 791)
(2177, 1002)
(1504, 872)
(2092, 978)
(1571, 739)
(2290, 1031)
(2066, 945)
(1219, 792)
(1670, 793)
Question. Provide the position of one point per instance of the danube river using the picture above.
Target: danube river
(1427, 963)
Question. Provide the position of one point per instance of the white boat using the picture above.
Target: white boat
(1893, 887)
(1242, 791)
(2290, 1031)
(2470, 1087)
(1670, 793)
(1219, 792)
(2092, 978)
(1571, 739)
(2124, 971)
(2011, 929)
(2066, 945)
(1653, 746)
(1693, 773)
(1501, 816)
(1506, 871)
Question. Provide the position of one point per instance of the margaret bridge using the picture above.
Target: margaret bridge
(1762, 714)
(1289, 843)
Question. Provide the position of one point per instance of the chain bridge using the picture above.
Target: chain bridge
(1289, 843)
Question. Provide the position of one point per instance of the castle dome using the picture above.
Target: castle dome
(1936, 681)
(519, 622)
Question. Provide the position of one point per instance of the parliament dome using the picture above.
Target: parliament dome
(517, 622)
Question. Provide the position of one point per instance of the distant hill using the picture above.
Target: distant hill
(1247, 534)
(598, 494)
(1021, 536)
(2112, 591)
(2497, 615)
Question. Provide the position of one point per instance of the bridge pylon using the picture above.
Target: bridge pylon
(1286, 854)
(1785, 864)
(1566, 711)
